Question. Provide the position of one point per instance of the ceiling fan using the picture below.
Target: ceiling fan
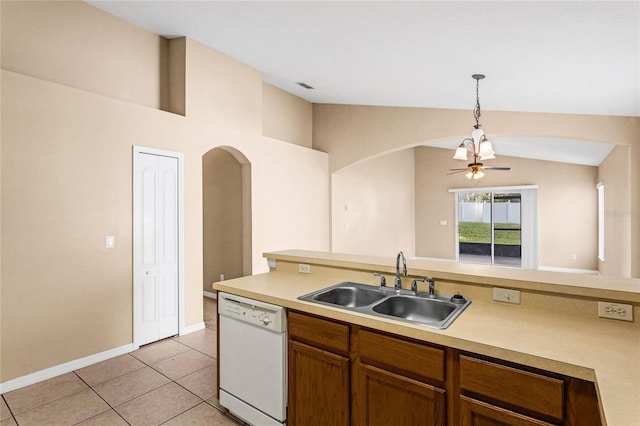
(478, 144)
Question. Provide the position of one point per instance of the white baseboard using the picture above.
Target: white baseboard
(59, 369)
(191, 328)
(210, 295)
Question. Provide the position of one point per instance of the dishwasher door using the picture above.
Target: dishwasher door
(253, 359)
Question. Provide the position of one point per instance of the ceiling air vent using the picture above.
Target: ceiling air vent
(303, 84)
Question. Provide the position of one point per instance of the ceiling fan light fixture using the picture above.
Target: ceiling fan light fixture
(461, 152)
(477, 135)
(480, 147)
(486, 150)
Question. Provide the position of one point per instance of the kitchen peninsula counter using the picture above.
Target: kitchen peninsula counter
(565, 341)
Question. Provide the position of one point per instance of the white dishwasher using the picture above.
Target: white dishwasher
(253, 360)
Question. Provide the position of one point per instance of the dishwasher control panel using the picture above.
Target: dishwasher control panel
(251, 311)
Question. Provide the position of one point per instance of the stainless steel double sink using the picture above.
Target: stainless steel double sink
(436, 312)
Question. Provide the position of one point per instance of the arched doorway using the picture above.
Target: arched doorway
(226, 208)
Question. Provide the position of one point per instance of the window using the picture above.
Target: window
(497, 226)
(600, 188)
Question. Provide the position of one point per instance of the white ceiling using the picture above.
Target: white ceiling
(539, 56)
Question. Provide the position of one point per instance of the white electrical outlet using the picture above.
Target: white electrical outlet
(618, 311)
(304, 268)
(506, 295)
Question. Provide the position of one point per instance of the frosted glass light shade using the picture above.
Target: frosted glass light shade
(461, 153)
(469, 175)
(478, 175)
(486, 151)
(477, 135)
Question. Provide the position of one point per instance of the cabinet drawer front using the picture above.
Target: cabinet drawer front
(319, 332)
(529, 391)
(401, 355)
(477, 413)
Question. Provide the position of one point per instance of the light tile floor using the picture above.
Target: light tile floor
(170, 382)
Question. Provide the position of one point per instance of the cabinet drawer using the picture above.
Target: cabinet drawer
(478, 413)
(529, 391)
(401, 356)
(319, 332)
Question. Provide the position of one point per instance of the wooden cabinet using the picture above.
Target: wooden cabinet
(392, 382)
(498, 393)
(528, 393)
(477, 413)
(343, 374)
(319, 391)
(318, 386)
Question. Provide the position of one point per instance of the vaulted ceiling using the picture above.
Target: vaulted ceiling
(539, 56)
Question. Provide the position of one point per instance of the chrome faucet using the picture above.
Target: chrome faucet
(428, 280)
(383, 279)
(398, 281)
(432, 287)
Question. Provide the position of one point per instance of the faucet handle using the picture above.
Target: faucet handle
(383, 279)
(414, 284)
(432, 287)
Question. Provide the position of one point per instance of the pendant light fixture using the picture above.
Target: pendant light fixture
(480, 147)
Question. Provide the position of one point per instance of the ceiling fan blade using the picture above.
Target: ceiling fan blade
(457, 171)
(496, 168)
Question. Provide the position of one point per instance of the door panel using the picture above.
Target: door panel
(156, 247)
(318, 387)
(388, 398)
(148, 300)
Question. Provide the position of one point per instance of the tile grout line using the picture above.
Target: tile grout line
(9, 408)
(200, 349)
(100, 396)
(48, 402)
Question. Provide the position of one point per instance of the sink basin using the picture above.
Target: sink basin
(438, 312)
(350, 295)
(416, 309)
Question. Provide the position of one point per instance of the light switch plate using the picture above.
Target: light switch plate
(506, 295)
(110, 241)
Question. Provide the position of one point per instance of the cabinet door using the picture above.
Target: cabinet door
(318, 387)
(477, 413)
(387, 398)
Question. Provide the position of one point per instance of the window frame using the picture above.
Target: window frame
(601, 226)
(529, 220)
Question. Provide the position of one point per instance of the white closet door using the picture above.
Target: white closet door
(155, 248)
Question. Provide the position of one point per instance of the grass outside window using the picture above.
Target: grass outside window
(479, 232)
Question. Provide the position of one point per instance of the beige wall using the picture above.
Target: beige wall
(222, 227)
(351, 133)
(567, 205)
(113, 66)
(67, 137)
(614, 173)
(373, 203)
(285, 116)
(373, 206)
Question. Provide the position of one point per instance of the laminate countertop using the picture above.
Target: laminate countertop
(605, 352)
